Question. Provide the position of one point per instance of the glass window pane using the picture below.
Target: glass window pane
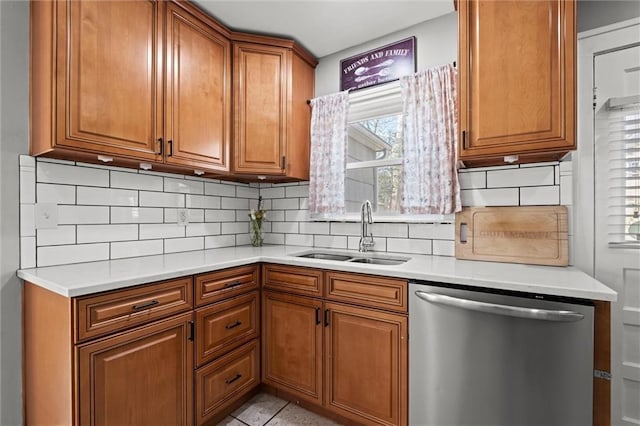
(375, 139)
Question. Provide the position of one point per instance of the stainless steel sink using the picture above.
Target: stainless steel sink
(325, 256)
(348, 257)
(377, 260)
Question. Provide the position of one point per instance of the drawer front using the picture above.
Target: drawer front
(121, 309)
(219, 285)
(367, 290)
(221, 383)
(293, 279)
(226, 325)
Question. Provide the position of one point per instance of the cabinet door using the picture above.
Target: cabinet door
(292, 344)
(517, 77)
(366, 364)
(141, 377)
(261, 85)
(109, 77)
(198, 123)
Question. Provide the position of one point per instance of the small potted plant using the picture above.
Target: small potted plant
(256, 217)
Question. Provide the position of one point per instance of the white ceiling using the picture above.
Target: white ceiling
(325, 26)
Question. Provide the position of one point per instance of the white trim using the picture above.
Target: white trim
(374, 163)
(608, 28)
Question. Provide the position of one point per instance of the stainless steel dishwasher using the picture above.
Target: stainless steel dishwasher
(498, 358)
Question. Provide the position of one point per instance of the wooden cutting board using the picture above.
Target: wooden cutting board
(535, 235)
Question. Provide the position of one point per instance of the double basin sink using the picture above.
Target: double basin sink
(345, 257)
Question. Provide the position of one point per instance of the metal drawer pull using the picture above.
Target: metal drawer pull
(233, 379)
(145, 305)
(497, 309)
(234, 325)
(318, 316)
(232, 284)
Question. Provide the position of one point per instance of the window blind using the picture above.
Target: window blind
(624, 171)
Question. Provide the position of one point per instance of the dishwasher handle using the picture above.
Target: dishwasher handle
(497, 309)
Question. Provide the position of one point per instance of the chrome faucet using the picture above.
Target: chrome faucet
(366, 219)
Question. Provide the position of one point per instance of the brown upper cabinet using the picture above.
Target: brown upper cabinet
(517, 80)
(272, 119)
(151, 81)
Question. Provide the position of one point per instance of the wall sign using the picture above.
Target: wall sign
(386, 63)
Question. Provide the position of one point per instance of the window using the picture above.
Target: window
(374, 156)
(624, 169)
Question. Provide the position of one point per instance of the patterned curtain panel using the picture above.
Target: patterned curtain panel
(328, 154)
(430, 176)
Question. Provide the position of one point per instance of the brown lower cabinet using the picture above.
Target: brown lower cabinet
(362, 351)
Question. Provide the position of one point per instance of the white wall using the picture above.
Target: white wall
(597, 13)
(436, 44)
(14, 118)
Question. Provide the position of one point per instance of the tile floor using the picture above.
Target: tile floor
(264, 409)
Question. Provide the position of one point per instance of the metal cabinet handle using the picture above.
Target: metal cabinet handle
(160, 146)
(233, 379)
(326, 318)
(318, 316)
(145, 305)
(497, 309)
(233, 325)
(170, 142)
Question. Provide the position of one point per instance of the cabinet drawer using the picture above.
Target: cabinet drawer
(366, 290)
(219, 285)
(293, 279)
(121, 309)
(226, 325)
(224, 381)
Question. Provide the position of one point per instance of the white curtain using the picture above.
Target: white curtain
(430, 178)
(328, 154)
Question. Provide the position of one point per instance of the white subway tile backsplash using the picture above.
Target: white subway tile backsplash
(198, 229)
(234, 203)
(566, 190)
(106, 196)
(27, 184)
(217, 241)
(61, 255)
(285, 204)
(285, 227)
(165, 230)
(71, 175)
(203, 202)
(540, 196)
(136, 215)
(136, 181)
(397, 230)
(490, 197)
(26, 161)
(65, 234)
(27, 252)
(241, 215)
(247, 192)
(542, 164)
(566, 167)
(219, 215)
(304, 203)
(121, 250)
(406, 245)
(330, 241)
(242, 239)
(195, 215)
(520, 177)
(298, 240)
(105, 233)
(219, 189)
(234, 228)
(297, 191)
(434, 231)
(27, 220)
(272, 238)
(314, 228)
(296, 215)
(345, 228)
(57, 194)
(472, 180)
(174, 245)
(56, 161)
(275, 192)
(161, 199)
(380, 244)
(444, 248)
(275, 215)
(183, 186)
(85, 215)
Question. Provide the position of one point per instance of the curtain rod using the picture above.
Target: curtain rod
(309, 100)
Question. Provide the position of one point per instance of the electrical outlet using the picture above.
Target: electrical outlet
(183, 217)
(46, 215)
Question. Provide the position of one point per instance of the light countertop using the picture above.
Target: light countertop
(93, 277)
